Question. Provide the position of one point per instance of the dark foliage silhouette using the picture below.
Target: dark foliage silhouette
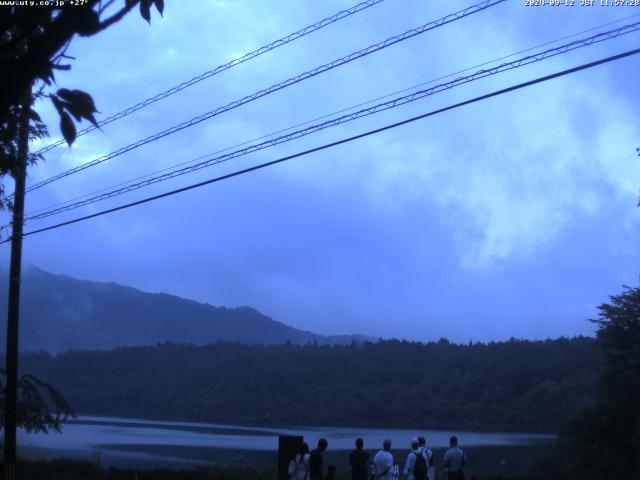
(510, 385)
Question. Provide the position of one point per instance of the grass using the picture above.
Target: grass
(67, 469)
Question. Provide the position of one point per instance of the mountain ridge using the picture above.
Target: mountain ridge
(60, 312)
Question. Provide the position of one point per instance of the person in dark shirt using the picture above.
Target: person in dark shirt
(315, 461)
(331, 472)
(359, 460)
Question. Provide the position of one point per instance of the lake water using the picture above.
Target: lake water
(145, 443)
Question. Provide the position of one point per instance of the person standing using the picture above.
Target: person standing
(331, 472)
(454, 461)
(383, 462)
(359, 460)
(299, 470)
(415, 468)
(428, 455)
(316, 467)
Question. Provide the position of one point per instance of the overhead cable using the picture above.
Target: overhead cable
(221, 68)
(328, 115)
(338, 142)
(347, 118)
(276, 87)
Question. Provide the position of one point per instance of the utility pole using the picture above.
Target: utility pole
(11, 363)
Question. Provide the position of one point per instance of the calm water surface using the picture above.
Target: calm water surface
(123, 441)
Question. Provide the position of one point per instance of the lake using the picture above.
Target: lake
(147, 443)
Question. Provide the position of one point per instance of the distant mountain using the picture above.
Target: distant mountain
(59, 313)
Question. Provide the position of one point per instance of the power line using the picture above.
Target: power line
(339, 142)
(322, 117)
(221, 68)
(276, 87)
(349, 117)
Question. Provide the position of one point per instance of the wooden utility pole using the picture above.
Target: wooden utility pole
(11, 363)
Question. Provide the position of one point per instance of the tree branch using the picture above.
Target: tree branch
(116, 17)
(106, 5)
(22, 71)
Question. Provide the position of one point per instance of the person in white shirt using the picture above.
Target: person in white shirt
(428, 455)
(300, 470)
(454, 461)
(411, 460)
(383, 462)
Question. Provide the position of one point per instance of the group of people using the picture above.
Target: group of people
(309, 465)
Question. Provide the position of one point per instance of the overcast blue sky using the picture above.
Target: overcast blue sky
(512, 217)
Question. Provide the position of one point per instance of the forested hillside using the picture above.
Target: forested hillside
(515, 385)
(59, 313)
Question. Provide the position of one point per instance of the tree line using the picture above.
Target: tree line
(603, 440)
(513, 385)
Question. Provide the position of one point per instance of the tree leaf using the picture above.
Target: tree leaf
(49, 79)
(64, 93)
(73, 110)
(57, 103)
(145, 10)
(68, 128)
(89, 23)
(92, 119)
(79, 104)
(78, 97)
(34, 116)
(159, 5)
(85, 99)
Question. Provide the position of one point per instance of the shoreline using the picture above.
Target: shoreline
(85, 418)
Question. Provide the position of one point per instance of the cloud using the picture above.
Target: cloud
(507, 217)
(509, 183)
